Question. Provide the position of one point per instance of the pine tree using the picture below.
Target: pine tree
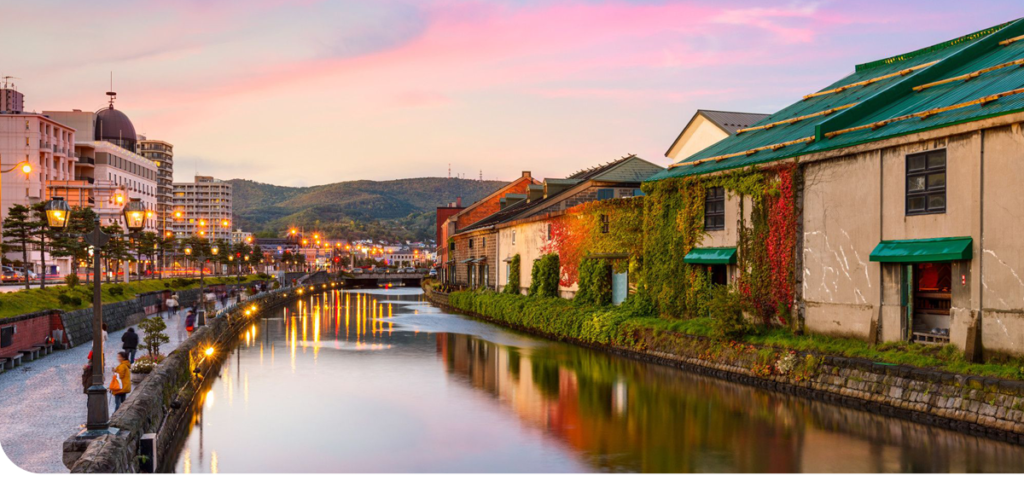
(42, 236)
(72, 244)
(19, 233)
(116, 250)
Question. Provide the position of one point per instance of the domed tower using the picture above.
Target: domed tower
(114, 126)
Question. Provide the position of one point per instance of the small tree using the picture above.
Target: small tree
(69, 244)
(512, 286)
(20, 229)
(153, 335)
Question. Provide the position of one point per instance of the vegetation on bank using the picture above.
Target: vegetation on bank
(70, 298)
(625, 325)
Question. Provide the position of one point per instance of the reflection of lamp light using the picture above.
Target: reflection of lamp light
(57, 211)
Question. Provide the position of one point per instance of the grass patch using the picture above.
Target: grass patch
(33, 300)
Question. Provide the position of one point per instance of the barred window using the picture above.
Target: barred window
(714, 209)
(605, 224)
(926, 183)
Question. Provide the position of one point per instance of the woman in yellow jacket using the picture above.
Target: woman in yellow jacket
(123, 369)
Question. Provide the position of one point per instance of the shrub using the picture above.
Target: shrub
(545, 276)
(595, 282)
(729, 310)
(72, 280)
(69, 300)
(263, 276)
(116, 290)
(181, 282)
(145, 365)
(513, 284)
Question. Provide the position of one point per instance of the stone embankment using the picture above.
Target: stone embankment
(160, 407)
(982, 406)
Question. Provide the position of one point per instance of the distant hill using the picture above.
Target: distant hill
(402, 209)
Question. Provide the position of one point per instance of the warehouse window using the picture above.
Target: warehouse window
(605, 194)
(926, 183)
(605, 224)
(714, 209)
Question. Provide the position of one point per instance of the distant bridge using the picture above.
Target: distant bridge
(374, 279)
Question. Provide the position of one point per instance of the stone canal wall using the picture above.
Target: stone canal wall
(976, 405)
(161, 406)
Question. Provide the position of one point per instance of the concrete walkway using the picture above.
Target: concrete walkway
(42, 403)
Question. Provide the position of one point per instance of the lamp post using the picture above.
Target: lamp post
(98, 418)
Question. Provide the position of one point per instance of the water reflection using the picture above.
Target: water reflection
(382, 382)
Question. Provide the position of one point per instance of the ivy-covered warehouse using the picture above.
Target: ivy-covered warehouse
(886, 206)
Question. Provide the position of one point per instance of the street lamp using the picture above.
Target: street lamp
(57, 211)
(98, 417)
(135, 218)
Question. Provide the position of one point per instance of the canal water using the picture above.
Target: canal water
(380, 381)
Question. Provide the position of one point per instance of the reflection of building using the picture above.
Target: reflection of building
(162, 154)
(205, 205)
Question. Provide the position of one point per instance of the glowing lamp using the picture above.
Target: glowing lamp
(209, 351)
(135, 215)
(57, 211)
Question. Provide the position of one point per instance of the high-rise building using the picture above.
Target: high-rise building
(162, 154)
(202, 208)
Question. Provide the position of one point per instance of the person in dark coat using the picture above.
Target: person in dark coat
(190, 321)
(130, 343)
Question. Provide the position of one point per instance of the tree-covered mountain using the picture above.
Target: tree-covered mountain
(402, 209)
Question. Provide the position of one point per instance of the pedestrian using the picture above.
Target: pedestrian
(190, 321)
(130, 343)
(172, 305)
(121, 382)
(87, 375)
(103, 329)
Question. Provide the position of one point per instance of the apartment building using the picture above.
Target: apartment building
(202, 208)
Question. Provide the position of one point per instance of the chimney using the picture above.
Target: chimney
(527, 175)
(458, 202)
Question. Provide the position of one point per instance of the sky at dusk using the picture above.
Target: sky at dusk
(311, 92)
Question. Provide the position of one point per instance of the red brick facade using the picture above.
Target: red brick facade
(491, 203)
(31, 331)
(484, 245)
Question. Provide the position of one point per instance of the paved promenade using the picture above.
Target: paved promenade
(42, 403)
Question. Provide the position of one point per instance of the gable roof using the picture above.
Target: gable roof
(614, 171)
(958, 81)
(501, 191)
(729, 122)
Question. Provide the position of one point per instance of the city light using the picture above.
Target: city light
(224, 223)
(209, 351)
(26, 168)
(178, 215)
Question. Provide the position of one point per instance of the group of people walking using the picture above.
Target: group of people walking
(121, 381)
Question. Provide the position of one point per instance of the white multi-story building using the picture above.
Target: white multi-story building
(110, 172)
(35, 151)
(239, 236)
(202, 208)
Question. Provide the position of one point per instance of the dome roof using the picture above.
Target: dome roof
(114, 126)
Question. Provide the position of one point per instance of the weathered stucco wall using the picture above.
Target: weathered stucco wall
(841, 287)
(531, 238)
(1001, 253)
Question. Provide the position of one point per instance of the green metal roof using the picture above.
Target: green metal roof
(923, 250)
(884, 100)
(711, 256)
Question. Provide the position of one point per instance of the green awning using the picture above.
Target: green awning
(923, 250)
(711, 256)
